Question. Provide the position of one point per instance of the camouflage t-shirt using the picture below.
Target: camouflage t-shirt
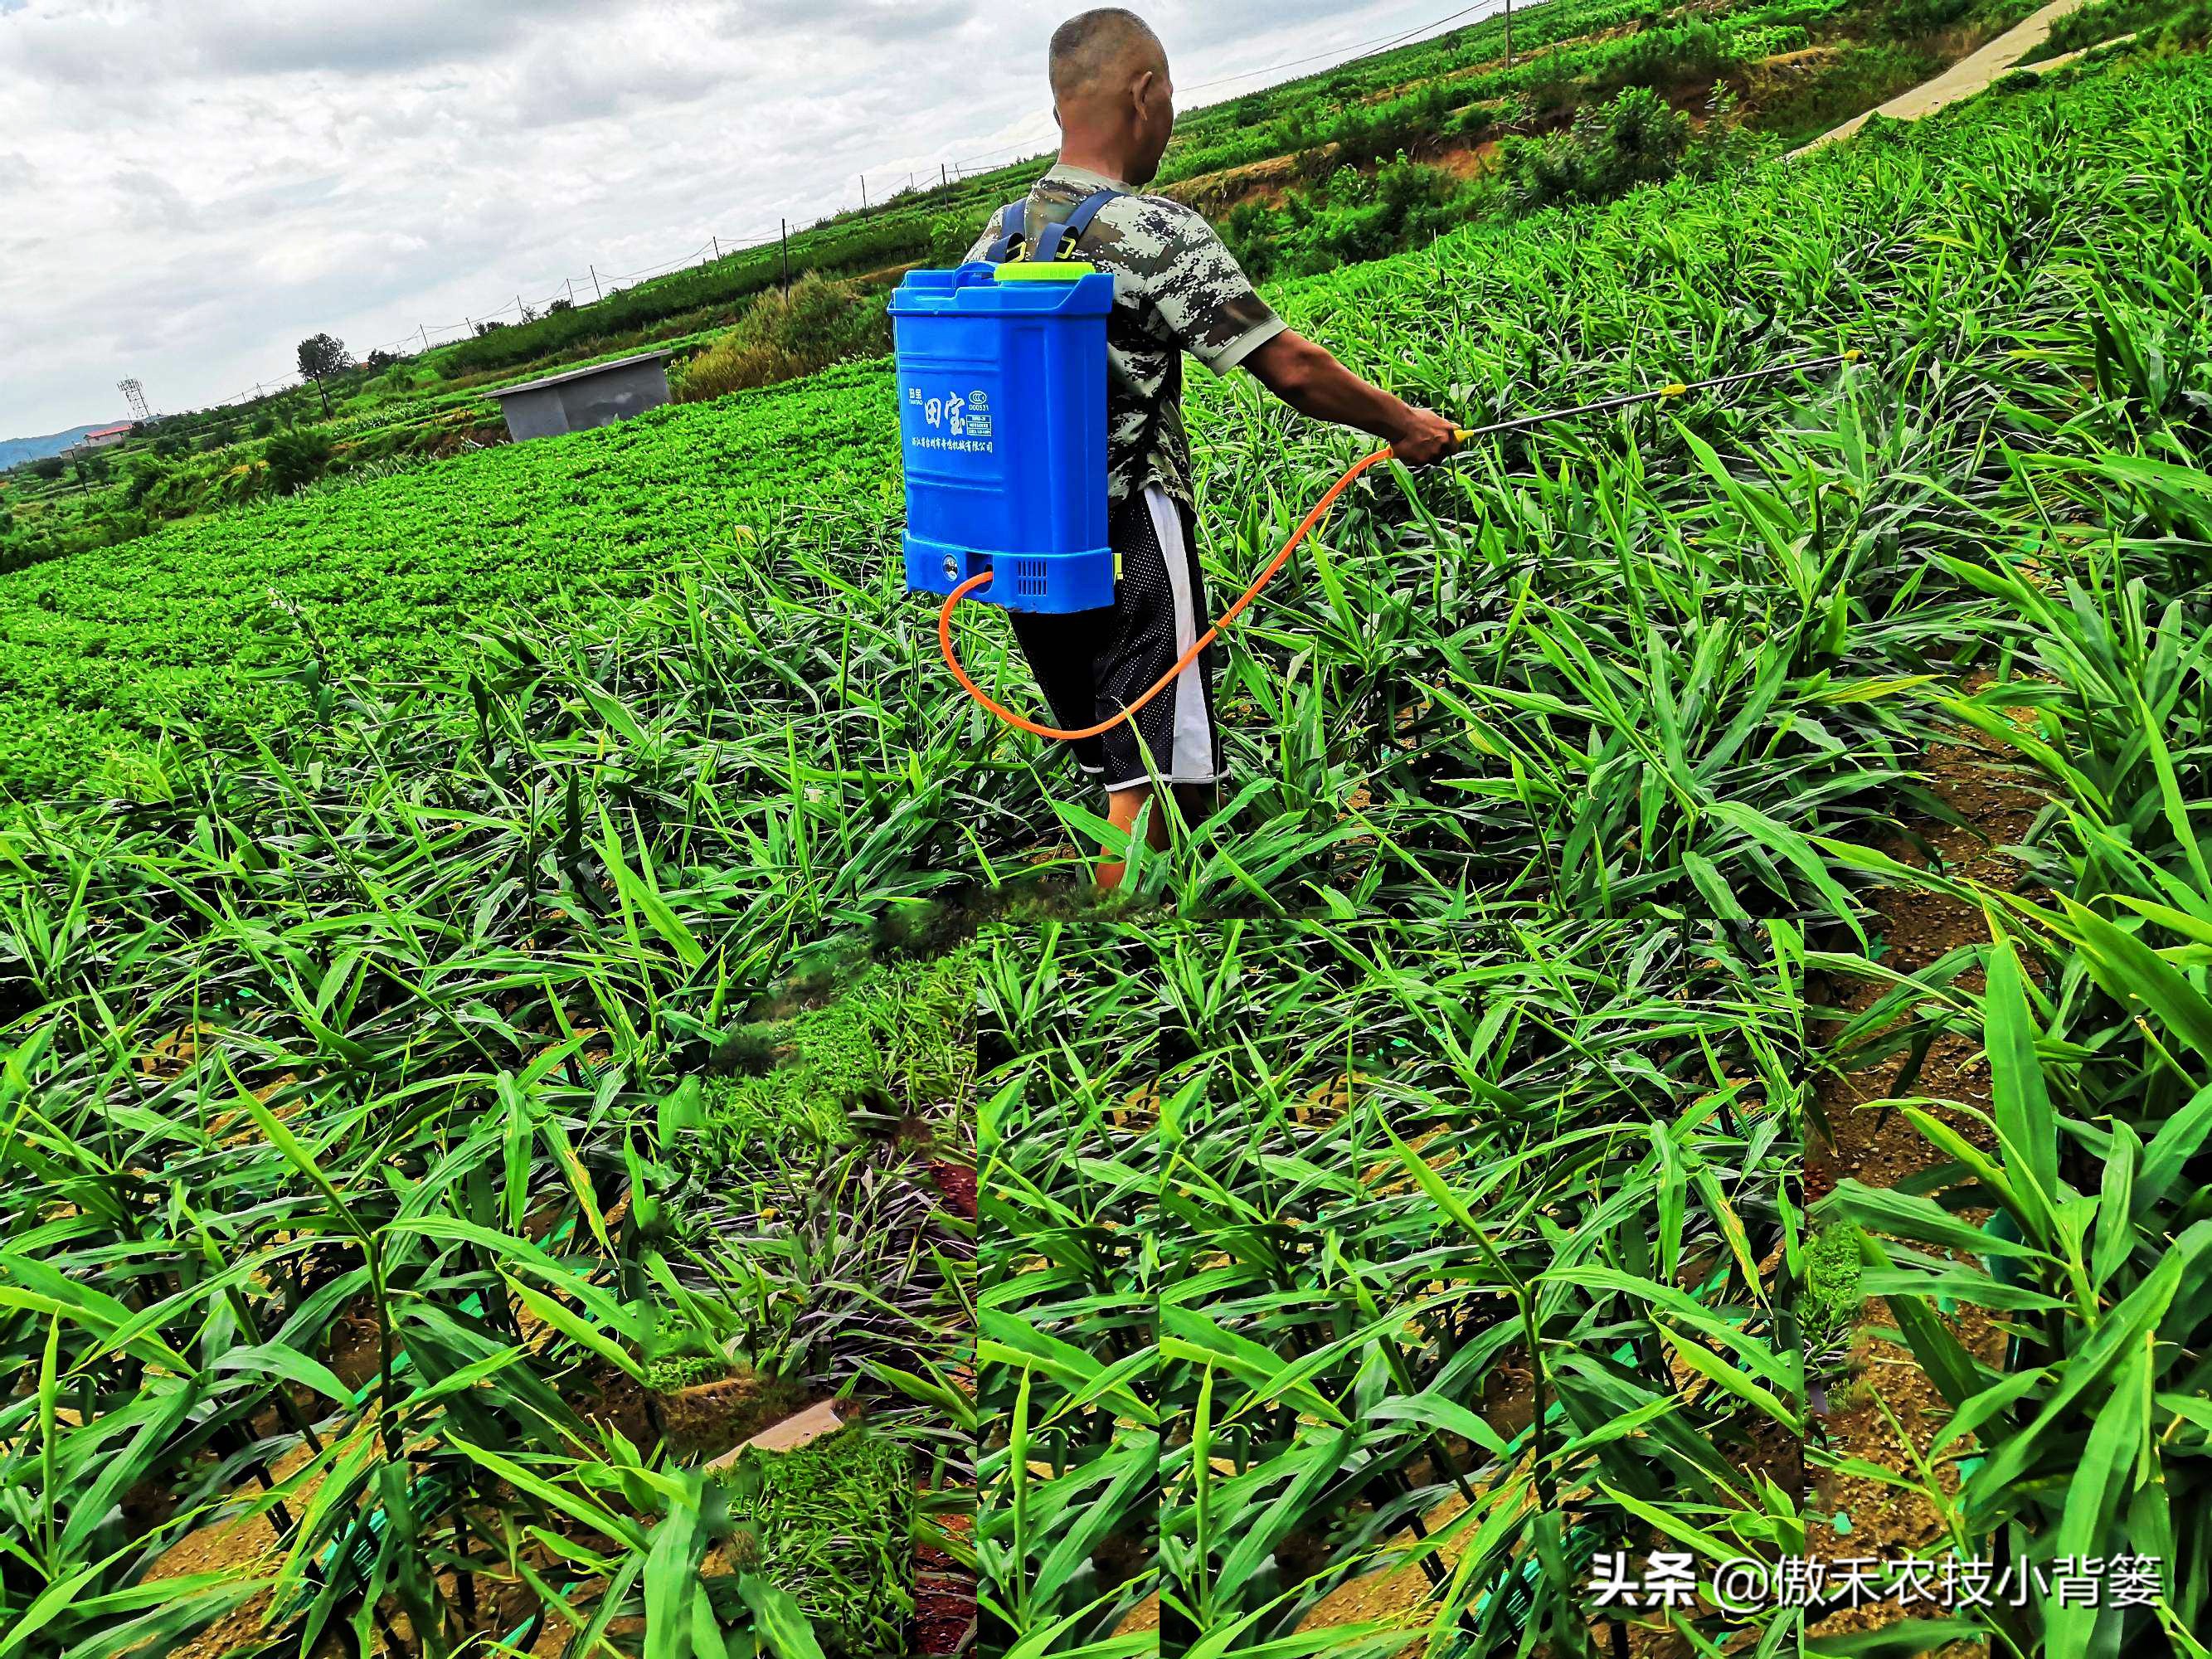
(1176, 288)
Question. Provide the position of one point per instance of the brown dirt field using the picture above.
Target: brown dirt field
(248, 1549)
(1268, 180)
(227, 1543)
(1919, 928)
(708, 1419)
(1469, 161)
(1884, 1522)
(1784, 72)
(1879, 1149)
(1393, 1595)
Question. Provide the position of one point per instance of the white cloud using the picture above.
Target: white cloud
(189, 189)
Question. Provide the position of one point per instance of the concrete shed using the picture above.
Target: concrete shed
(580, 398)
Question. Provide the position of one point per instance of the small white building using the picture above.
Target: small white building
(102, 437)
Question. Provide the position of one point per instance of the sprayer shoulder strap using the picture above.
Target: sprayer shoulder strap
(1069, 232)
(1063, 235)
(1010, 230)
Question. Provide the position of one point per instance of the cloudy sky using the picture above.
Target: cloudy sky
(190, 186)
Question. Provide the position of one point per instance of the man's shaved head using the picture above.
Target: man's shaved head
(1111, 94)
(1102, 51)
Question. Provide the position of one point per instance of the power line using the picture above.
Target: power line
(650, 271)
(1011, 149)
(1382, 43)
(1409, 34)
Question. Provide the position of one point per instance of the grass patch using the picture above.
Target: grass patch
(785, 334)
(674, 1371)
(1862, 78)
(830, 1524)
(1828, 1316)
(2101, 20)
(893, 1044)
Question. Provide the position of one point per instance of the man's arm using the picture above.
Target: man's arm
(1311, 380)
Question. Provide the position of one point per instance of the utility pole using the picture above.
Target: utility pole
(571, 281)
(784, 233)
(717, 241)
(426, 336)
(1509, 36)
(943, 177)
(596, 295)
(864, 190)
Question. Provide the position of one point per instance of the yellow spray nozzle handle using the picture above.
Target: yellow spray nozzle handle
(1675, 389)
(1853, 355)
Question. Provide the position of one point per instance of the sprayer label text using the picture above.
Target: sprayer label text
(955, 421)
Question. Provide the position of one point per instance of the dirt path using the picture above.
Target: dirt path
(1964, 78)
(1889, 1414)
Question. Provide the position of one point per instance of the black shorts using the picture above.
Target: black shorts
(1092, 663)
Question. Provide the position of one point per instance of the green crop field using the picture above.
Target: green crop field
(505, 970)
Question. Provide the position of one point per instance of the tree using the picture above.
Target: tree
(322, 356)
(49, 467)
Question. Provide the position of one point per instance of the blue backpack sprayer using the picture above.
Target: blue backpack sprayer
(1001, 373)
(1002, 421)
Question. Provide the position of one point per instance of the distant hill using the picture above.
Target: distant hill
(13, 451)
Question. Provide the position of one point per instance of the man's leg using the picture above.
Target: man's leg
(1196, 801)
(1160, 602)
(1122, 806)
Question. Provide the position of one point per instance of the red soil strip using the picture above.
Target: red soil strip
(956, 1182)
(944, 1597)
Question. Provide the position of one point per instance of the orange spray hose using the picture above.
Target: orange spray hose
(1460, 436)
(1305, 528)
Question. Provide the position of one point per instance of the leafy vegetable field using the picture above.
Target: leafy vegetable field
(459, 1030)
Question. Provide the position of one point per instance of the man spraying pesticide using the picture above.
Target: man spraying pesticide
(1085, 254)
(1047, 468)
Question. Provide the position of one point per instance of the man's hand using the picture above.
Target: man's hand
(1307, 377)
(1427, 437)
